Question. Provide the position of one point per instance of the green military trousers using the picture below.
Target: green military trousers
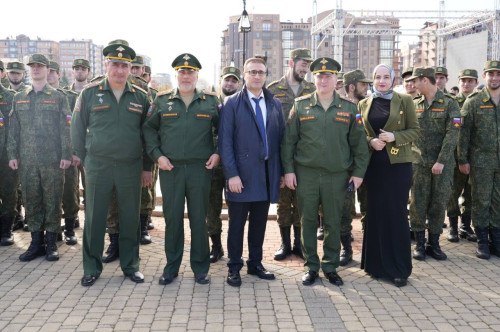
(148, 196)
(430, 194)
(349, 209)
(102, 175)
(485, 189)
(461, 186)
(42, 187)
(288, 214)
(186, 183)
(9, 182)
(314, 187)
(214, 221)
(71, 196)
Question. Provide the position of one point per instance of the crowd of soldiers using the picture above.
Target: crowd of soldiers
(119, 135)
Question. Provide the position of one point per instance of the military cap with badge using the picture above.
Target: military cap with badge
(325, 66)
(54, 66)
(230, 71)
(354, 77)
(119, 51)
(186, 61)
(468, 73)
(39, 59)
(138, 61)
(16, 67)
(407, 72)
(301, 53)
(442, 71)
(422, 72)
(491, 65)
(81, 63)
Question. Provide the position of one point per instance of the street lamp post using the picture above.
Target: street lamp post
(244, 27)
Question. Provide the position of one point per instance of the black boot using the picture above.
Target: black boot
(150, 223)
(113, 250)
(36, 248)
(52, 253)
(483, 248)
(466, 231)
(69, 231)
(495, 241)
(453, 231)
(145, 237)
(419, 252)
(18, 222)
(285, 249)
(433, 249)
(297, 245)
(321, 234)
(217, 251)
(77, 222)
(7, 236)
(346, 253)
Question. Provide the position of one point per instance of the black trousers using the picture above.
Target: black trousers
(238, 213)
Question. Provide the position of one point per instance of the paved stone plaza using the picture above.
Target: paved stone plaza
(460, 294)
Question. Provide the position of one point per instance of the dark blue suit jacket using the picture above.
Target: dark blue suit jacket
(242, 150)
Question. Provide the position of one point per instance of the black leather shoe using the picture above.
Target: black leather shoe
(400, 282)
(202, 278)
(309, 278)
(166, 278)
(233, 278)
(136, 277)
(334, 278)
(260, 272)
(88, 280)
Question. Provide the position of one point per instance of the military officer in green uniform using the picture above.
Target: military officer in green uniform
(478, 155)
(9, 178)
(71, 195)
(147, 77)
(356, 87)
(467, 80)
(179, 136)
(289, 87)
(438, 115)
(409, 85)
(39, 146)
(441, 78)
(324, 150)
(107, 137)
(229, 84)
(16, 72)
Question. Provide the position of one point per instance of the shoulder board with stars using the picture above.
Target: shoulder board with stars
(210, 93)
(164, 92)
(139, 88)
(346, 99)
(303, 97)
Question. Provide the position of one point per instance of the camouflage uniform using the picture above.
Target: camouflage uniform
(287, 204)
(439, 123)
(42, 120)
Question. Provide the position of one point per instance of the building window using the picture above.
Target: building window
(266, 26)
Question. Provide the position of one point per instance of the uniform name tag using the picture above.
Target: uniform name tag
(22, 102)
(437, 109)
(3, 103)
(203, 116)
(280, 95)
(170, 115)
(49, 101)
(341, 120)
(486, 107)
(99, 108)
(344, 114)
(136, 110)
(136, 105)
(419, 110)
(307, 118)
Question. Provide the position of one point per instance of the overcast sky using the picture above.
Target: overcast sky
(165, 29)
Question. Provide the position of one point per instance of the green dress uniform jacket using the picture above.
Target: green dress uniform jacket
(402, 123)
(6, 97)
(284, 93)
(315, 138)
(185, 137)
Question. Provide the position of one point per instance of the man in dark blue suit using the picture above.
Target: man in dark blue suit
(251, 128)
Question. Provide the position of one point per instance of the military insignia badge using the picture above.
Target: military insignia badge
(457, 122)
(359, 120)
(120, 49)
(291, 115)
(219, 107)
(1, 122)
(77, 104)
(68, 119)
(150, 110)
